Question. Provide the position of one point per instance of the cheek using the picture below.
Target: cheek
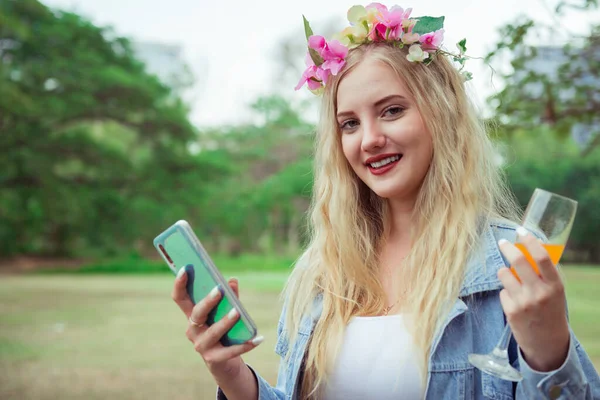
(428, 148)
(422, 141)
(426, 155)
(349, 148)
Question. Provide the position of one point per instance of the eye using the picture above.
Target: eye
(348, 124)
(393, 111)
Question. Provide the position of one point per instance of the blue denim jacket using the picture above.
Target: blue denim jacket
(474, 325)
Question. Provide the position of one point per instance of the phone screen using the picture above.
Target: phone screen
(180, 251)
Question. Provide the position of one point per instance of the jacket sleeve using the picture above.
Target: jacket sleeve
(287, 365)
(265, 390)
(575, 379)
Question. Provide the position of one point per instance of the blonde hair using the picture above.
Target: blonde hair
(462, 190)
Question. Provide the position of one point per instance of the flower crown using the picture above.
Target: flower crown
(375, 23)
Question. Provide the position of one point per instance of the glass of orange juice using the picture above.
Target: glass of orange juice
(550, 217)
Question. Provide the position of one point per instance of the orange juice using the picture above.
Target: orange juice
(554, 250)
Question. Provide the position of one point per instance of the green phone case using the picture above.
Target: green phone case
(180, 248)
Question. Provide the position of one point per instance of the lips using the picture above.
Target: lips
(383, 163)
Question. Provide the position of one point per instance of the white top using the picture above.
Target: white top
(377, 361)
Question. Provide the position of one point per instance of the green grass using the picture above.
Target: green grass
(136, 265)
(114, 336)
(72, 336)
(584, 307)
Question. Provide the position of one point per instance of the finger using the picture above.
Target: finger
(179, 294)
(509, 281)
(227, 353)
(201, 310)
(518, 262)
(541, 257)
(234, 285)
(509, 306)
(215, 332)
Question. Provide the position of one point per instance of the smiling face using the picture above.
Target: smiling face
(382, 133)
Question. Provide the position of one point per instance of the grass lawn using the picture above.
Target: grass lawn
(121, 336)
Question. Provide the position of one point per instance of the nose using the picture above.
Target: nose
(373, 137)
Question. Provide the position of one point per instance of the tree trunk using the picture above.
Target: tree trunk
(595, 255)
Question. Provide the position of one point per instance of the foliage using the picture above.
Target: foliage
(550, 84)
(246, 263)
(93, 147)
(270, 184)
(554, 164)
(98, 155)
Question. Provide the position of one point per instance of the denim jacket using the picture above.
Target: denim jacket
(474, 325)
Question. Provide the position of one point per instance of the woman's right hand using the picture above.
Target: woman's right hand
(224, 363)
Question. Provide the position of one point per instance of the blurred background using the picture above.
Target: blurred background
(118, 118)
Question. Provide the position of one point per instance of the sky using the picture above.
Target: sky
(230, 45)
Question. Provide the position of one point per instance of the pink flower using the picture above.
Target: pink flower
(391, 23)
(378, 6)
(317, 42)
(374, 11)
(313, 76)
(432, 40)
(334, 54)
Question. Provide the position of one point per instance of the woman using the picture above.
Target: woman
(404, 275)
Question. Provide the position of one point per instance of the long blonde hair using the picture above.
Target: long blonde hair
(462, 190)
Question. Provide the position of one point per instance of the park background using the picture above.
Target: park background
(118, 118)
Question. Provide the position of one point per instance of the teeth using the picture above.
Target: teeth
(385, 161)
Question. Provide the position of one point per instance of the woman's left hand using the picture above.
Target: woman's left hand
(535, 306)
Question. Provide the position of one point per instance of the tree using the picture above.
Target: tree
(558, 86)
(267, 192)
(542, 159)
(93, 147)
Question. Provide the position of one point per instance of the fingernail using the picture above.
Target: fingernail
(521, 231)
(232, 314)
(233, 278)
(214, 293)
(258, 340)
(180, 273)
(502, 241)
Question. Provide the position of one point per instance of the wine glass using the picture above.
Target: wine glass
(550, 216)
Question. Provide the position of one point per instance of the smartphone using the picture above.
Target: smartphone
(180, 248)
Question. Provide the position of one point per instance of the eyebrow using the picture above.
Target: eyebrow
(376, 104)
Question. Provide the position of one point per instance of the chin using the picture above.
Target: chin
(388, 192)
(394, 192)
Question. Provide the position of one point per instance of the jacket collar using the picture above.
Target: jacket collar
(481, 272)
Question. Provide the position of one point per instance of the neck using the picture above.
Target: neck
(401, 220)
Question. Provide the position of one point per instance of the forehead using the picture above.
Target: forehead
(368, 82)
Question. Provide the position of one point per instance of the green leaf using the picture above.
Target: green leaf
(317, 59)
(313, 53)
(428, 24)
(307, 30)
(467, 76)
(462, 46)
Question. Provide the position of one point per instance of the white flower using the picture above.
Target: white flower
(416, 53)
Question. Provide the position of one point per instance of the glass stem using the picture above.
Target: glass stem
(502, 346)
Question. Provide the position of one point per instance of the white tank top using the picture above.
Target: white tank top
(377, 361)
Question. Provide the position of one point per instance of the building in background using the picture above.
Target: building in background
(547, 62)
(167, 61)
